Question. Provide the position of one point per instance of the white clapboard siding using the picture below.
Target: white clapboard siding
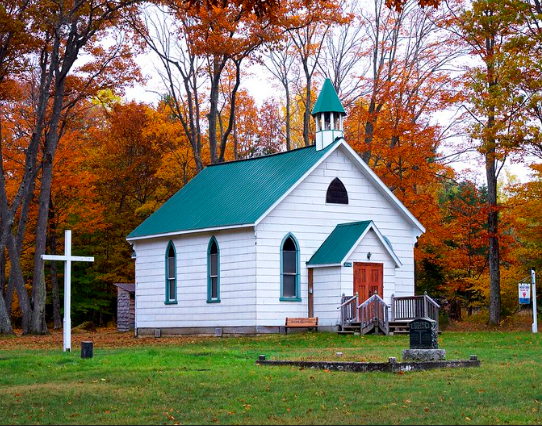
(327, 295)
(237, 281)
(250, 258)
(305, 214)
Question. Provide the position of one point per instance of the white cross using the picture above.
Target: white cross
(68, 259)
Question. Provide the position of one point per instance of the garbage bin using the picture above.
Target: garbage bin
(87, 349)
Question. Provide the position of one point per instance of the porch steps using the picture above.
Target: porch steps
(351, 328)
(399, 327)
(395, 327)
(355, 328)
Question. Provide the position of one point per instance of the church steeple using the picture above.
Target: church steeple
(328, 113)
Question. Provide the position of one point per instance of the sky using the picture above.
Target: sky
(261, 87)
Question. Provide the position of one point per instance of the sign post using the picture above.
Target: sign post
(535, 319)
(67, 258)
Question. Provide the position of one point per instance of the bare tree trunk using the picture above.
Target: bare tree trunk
(288, 121)
(39, 290)
(5, 323)
(231, 121)
(57, 320)
(493, 231)
(16, 275)
(308, 105)
(216, 71)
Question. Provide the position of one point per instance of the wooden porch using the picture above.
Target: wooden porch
(375, 316)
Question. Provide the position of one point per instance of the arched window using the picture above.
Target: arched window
(213, 270)
(171, 274)
(289, 270)
(336, 192)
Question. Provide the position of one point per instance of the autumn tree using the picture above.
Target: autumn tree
(269, 8)
(464, 254)
(55, 36)
(281, 63)
(309, 28)
(343, 56)
(496, 105)
(181, 69)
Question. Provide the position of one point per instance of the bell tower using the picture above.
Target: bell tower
(328, 113)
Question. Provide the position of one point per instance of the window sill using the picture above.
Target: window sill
(290, 299)
(213, 301)
(170, 302)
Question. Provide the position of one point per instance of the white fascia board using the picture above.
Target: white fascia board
(379, 235)
(384, 190)
(327, 265)
(295, 185)
(189, 231)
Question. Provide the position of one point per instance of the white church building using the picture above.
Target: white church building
(247, 243)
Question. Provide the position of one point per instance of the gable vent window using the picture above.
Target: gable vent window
(336, 192)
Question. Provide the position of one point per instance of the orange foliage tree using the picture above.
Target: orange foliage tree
(391, 126)
(55, 35)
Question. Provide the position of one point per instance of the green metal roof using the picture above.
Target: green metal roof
(231, 194)
(337, 245)
(328, 101)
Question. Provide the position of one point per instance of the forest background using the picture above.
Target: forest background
(423, 83)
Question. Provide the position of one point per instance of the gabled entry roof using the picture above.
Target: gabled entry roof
(343, 241)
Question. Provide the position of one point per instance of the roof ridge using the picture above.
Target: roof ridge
(261, 156)
(359, 222)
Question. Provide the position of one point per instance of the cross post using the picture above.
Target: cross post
(67, 258)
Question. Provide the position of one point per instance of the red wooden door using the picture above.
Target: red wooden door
(368, 279)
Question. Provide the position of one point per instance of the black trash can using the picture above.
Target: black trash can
(87, 349)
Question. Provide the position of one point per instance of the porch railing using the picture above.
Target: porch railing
(410, 307)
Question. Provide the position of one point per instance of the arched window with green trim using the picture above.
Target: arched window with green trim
(171, 274)
(289, 269)
(213, 271)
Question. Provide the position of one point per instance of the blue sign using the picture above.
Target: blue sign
(347, 264)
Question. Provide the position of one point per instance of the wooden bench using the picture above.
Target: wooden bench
(301, 323)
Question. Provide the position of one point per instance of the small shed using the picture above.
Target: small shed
(125, 306)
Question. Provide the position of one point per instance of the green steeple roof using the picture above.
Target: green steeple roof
(328, 101)
(230, 194)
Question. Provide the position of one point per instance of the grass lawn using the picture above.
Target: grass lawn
(208, 380)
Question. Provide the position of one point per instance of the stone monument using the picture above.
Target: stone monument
(423, 341)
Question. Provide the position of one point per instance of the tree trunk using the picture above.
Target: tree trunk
(493, 230)
(231, 121)
(39, 291)
(213, 111)
(288, 120)
(307, 114)
(16, 276)
(54, 277)
(5, 323)
(493, 212)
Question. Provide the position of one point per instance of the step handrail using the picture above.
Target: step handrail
(349, 309)
(374, 309)
(347, 301)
